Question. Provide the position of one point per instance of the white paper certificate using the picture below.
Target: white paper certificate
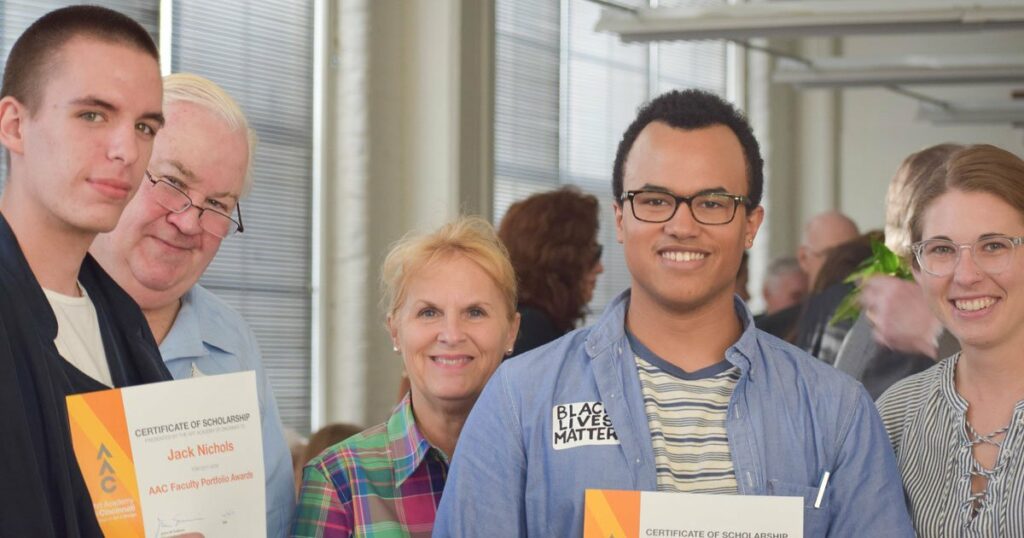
(180, 458)
(634, 514)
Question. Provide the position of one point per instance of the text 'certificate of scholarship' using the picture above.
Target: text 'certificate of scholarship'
(636, 514)
(174, 459)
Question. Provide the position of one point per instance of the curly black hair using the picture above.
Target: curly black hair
(693, 109)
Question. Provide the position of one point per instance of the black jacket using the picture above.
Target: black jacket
(42, 493)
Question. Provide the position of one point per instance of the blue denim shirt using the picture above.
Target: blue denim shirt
(790, 419)
(208, 338)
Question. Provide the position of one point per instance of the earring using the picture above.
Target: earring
(395, 348)
(509, 351)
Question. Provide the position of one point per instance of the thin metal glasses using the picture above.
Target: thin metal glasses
(178, 201)
(993, 254)
(707, 208)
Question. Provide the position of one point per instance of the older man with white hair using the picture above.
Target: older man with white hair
(170, 232)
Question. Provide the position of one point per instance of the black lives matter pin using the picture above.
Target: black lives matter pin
(581, 424)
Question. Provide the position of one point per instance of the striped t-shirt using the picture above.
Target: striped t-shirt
(926, 420)
(686, 414)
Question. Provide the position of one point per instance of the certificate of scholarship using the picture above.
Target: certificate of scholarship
(175, 459)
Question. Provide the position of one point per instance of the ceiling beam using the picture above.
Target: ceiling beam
(811, 18)
(1011, 112)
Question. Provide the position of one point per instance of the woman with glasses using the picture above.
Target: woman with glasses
(958, 427)
(451, 315)
(552, 240)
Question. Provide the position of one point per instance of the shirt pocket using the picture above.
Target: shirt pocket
(816, 520)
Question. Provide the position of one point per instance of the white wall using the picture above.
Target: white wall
(838, 149)
(878, 128)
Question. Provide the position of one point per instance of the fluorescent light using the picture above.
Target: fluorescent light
(811, 18)
(902, 70)
(978, 112)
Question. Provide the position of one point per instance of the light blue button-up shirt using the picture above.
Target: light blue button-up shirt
(208, 338)
(518, 470)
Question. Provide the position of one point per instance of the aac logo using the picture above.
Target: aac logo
(108, 477)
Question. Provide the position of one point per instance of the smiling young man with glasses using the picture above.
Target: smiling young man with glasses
(187, 205)
(673, 388)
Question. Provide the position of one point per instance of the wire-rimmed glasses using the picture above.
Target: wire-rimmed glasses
(177, 201)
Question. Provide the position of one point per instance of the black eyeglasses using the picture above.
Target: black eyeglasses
(707, 208)
(177, 201)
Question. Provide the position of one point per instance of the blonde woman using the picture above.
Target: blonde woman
(451, 314)
(958, 427)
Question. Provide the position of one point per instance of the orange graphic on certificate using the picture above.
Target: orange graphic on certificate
(611, 514)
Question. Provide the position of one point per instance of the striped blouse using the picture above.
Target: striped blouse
(926, 421)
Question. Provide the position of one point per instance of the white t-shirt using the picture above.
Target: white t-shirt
(78, 334)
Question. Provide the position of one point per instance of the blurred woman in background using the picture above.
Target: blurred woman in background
(958, 427)
(552, 241)
(451, 299)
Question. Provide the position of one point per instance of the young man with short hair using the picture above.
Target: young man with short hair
(673, 388)
(79, 110)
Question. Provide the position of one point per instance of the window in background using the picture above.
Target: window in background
(565, 93)
(261, 52)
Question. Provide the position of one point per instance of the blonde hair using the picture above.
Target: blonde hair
(913, 178)
(472, 237)
(191, 88)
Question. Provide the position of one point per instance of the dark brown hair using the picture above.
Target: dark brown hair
(35, 52)
(552, 240)
(977, 168)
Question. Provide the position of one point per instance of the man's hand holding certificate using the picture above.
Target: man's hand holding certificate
(172, 458)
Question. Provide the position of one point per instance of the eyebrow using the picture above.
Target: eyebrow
(182, 169)
(191, 176)
(988, 235)
(90, 100)
(658, 188)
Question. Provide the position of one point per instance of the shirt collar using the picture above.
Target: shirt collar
(610, 329)
(406, 445)
(194, 328)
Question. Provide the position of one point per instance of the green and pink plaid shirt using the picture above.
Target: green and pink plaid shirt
(383, 482)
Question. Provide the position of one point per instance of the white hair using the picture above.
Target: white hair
(190, 88)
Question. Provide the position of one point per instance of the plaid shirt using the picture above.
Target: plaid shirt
(384, 482)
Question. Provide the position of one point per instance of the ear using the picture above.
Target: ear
(392, 330)
(753, 223)
(617, 207)
(513, 332)
(12, 115)
(801, 258)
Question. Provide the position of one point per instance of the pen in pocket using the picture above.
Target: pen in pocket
(821, 489)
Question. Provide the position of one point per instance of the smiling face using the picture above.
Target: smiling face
(79, 157)
(982, 310)
(682, 265)
(155, 254)
(452, 330)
